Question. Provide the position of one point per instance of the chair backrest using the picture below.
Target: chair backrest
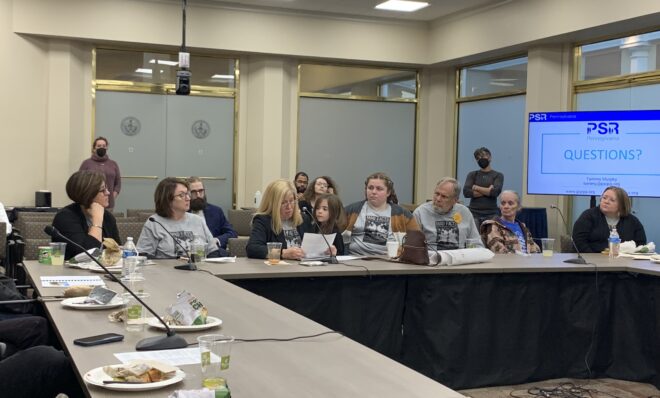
(144, 215)
(131, 228)
(566, 244)
(134, 212)
(241, 220)
(118, 214)
(236, 246)
(32, 248)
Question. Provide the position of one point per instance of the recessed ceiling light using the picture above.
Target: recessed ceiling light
(222, 77)
(402, 5)
(143, 70)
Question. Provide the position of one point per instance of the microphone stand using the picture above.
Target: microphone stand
(333, 258)
(169, 342)
(190, 265)
(579, 259)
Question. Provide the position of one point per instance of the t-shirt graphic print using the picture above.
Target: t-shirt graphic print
(376, 229)
(446, 235)
(292, 237)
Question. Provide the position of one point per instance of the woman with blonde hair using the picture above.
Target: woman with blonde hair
(277, 220)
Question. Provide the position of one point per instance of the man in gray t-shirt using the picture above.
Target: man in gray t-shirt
(445, 222)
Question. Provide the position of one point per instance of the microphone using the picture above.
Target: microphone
(579, 259)
(333, 258)
(190, 265)
(169, 342)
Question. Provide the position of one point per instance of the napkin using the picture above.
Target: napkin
(630, 247)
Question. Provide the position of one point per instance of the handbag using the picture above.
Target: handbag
(415, 249)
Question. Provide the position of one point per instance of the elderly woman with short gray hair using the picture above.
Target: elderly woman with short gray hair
(505, 234)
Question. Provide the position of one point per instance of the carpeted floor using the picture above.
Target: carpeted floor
(569, 388)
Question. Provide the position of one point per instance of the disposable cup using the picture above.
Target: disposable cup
(548, 245)
(215, 351)
(274, 252)
(58, 249)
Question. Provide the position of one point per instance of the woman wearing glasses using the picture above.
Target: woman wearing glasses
(505, 234)
(319, 186)
(86, 221)
(172, 200)
(277, 220)
(592, 229)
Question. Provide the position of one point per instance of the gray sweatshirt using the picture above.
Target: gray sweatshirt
(447, 231)
(155, 242)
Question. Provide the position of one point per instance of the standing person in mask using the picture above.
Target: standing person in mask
(483, 186)
(101, 162)
(215, 218)
(300, 181)
(446, 223)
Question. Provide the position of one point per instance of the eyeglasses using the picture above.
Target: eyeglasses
(182, 195)
(509, 202)
(197, 192)
(321, 184)
(289, 203)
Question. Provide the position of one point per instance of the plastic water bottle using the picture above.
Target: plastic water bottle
(257, 199)
(614, 242)
(129, 250)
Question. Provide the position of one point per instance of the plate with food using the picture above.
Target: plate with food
(78, 303)
(139, 375)
(211, 322)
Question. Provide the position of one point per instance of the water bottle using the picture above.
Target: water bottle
(129, 250)
(614, 242)
(257, 199)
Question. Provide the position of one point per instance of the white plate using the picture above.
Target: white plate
(115, 269)
(78, 303)
(211, 322)
(96, 377)
(655, 260)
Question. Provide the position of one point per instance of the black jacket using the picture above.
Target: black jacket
(72, 223)
(262, 233)
(591, 232)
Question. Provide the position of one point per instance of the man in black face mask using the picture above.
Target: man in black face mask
(215, 218)
(482, 187)
(101, 162)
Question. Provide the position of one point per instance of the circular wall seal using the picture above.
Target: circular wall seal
(201, 129)
(130, 126)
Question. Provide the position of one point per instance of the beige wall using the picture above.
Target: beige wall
(46, 105)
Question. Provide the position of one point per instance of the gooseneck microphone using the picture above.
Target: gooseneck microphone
(169, 342)
(190, 265)
(579, 259)
(333, 258)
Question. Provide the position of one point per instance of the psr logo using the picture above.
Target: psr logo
(603, 128)
(538, 117)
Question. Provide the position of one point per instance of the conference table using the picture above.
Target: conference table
(325, 366)
(512, 320)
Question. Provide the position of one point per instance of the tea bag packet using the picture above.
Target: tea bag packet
(100, 295)
(186, 311)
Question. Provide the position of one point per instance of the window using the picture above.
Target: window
(624, 56)
(357, 82)
(503, 77)
(156, 72)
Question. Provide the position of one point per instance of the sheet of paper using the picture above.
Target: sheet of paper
(314, 246)
(183, 356)
(347, 258)
(67, 281)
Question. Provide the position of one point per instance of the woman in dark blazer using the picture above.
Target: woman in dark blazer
(592, 229)
(277, 220)
(85, 221)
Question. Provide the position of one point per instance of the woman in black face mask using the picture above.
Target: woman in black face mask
(100, 162)
(483, 186)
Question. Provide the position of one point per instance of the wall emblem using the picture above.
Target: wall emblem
(201, 129)
(130, 126)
